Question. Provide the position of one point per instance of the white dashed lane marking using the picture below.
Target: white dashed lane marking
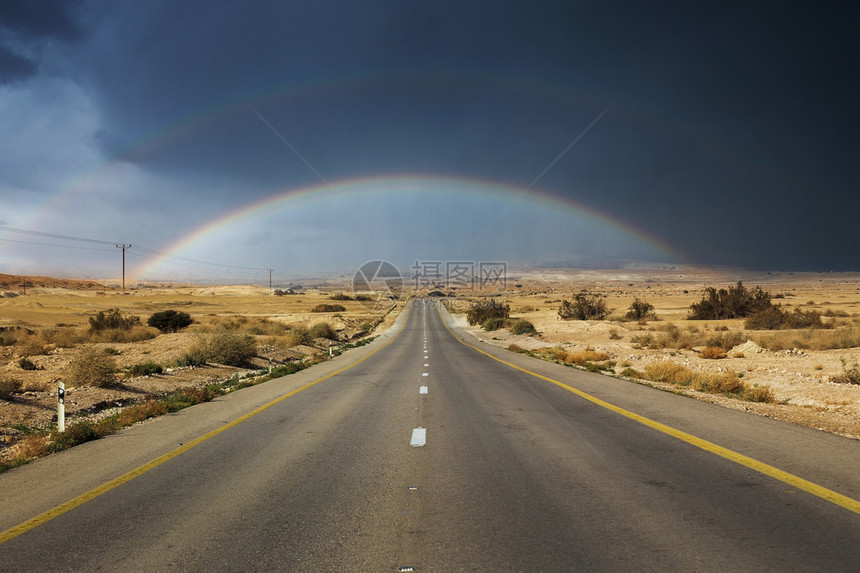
(419, 437)
(422, 390)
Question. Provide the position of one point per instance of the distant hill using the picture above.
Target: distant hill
(9, 282)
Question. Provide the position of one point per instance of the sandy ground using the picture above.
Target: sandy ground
(799, 378)
(56, 309)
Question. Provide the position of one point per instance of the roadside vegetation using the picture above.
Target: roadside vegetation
(105, 353)
(584, 306)
(482, 310)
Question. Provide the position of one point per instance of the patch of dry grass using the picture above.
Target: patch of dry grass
(582, 357)
(713, 353)
(712, 382)
(812, 339)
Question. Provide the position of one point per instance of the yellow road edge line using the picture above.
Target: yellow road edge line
(59, 510)
(822, 492)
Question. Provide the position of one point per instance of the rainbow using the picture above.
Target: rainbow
(387, 188)
(387, 185)
(204, 117)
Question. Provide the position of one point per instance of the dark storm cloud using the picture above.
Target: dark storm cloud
(24, 26)
(731, 131)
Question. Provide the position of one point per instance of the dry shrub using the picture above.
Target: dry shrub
(712, 353)
(32, 346)
(584, 307)
(266, 327)
(735, 302)
(850, 373)
(8, 386)
(582, 357)
(518, 348)
(640, 310)
(674, 337)
(62, 337)
(726, 339)
(118, 335)
(759, 394)
(482, 310)
(667, 371)
(32, 446)
(92, 368)
(297, 335)
(557, 354)
(727, 383)
(492, 324)
(113, 319)
(322, 330)
(522, 326)
(328, 308)
(230, 347)
(813, 339)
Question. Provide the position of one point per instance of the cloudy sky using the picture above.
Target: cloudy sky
(223, 138)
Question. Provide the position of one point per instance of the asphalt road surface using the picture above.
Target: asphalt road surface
(429, 455)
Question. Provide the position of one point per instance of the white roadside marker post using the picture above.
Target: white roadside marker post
(61, 406)
(329, 349)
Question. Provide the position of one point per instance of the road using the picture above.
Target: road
(422, 452)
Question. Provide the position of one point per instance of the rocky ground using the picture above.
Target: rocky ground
(800, 379)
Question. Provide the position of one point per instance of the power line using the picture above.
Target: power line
(54, 245)
(153, 252)
(55, 236)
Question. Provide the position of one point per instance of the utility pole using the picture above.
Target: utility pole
(270, 278)
(123, 247)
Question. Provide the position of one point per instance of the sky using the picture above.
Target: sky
(222, 139)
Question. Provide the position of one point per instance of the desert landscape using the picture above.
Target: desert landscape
(46, 332)
(806, 376)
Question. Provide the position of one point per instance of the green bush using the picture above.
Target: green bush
(734, 302)
(93, 368)
(492, 324)
(640, 310)
(328, 308)
(483, 310)
(145, 369)
(230, 348)
(340, 296)
(584, 307)
(112, 319)
(169, 320)
(522, 326)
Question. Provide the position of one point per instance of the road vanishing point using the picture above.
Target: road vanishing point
(430, 451)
